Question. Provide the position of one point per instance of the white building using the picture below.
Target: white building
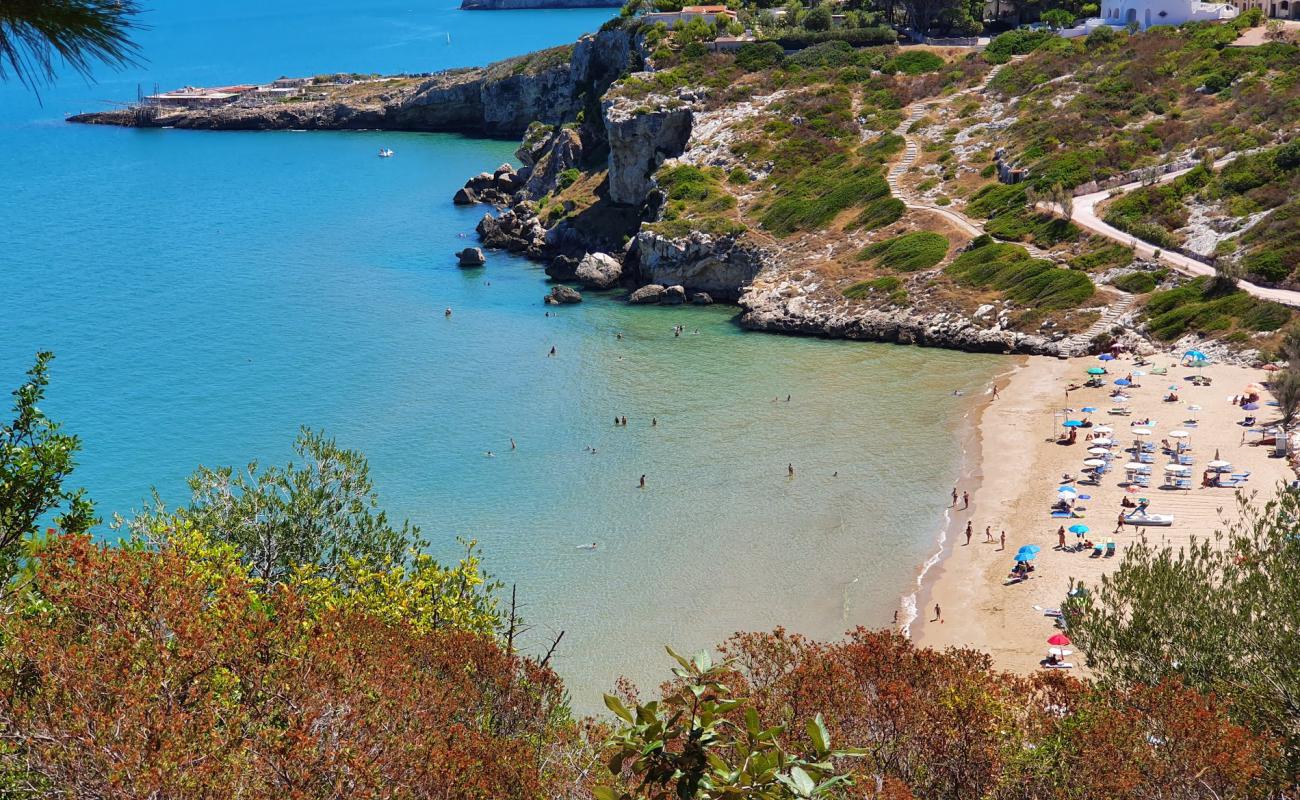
(1147, 13)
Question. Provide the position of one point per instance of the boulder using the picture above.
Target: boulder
(465, 196)
(504, 169)
(563, 295)
(701, 299)
(471, 257)
(673, 296)
(509, 182)
(650, 293)
(598, 271)
(481, 181)
(562, 268)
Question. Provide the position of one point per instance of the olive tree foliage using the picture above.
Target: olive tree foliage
(688, 745)
(36, 458)
(322, 513)
(1221, 614)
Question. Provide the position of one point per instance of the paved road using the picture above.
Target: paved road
(1085, 216)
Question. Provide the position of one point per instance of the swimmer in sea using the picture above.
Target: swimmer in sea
(447, 313)
(489, 454)
(642, 481)
(512, 443)
(791, 470)
(552, 350)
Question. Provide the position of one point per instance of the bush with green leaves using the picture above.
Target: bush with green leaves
(756, 56)
(915, 62)
(816, 195)
(995, 199)
(1030, 282)
(1017, 42)
(910, 252)
(857, 37)
(880, 212)
(1210, 307)
(687, 746)
(1135, 282)
(1039, 228)
(1102, 254)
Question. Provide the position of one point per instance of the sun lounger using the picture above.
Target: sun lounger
(1119, 411)
(1097, 550)
(1230, 484)
(1159, 371)
(1186, 461)
(1059, 665)
(1110, 549)
(1183, 483)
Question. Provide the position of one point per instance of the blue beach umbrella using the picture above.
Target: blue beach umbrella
(1197, 355)
(1029, 548)
(1105, 357)
(1026, 556)
(1078, 529)
(1088, 410)
(1096, 371)
(1123, 382)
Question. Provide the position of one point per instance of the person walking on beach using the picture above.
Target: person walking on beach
(988, 533)
(1060, 538)
(642, 482)
(968, 532)
(965, 500)
(954, 498)
(790, 469)
(995, 391)
(938, 613)
(1003, 543)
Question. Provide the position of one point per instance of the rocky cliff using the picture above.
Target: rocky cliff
(724, 267)
(550, 86)
(641, 135)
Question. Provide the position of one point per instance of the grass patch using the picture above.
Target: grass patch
(696, 202)
(1041, 229)
(1135, 282)
(996, 199)
(915, 62)
(907, 253)
(880, 212)
(1027, 281)
(817, 194)
(1200, 306)
(888, 286)
(1104, 256)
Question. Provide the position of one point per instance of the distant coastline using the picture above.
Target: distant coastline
(514, 5)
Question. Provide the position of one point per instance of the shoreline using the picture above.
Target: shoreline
(969, 475)
(1012, 492)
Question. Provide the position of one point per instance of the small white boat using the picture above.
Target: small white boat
(384, 152)
(1158, 520)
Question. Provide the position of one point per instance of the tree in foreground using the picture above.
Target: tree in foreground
(36, 459)
(1221, 615)
(35, 35)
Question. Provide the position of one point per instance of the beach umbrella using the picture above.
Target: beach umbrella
(1179, 434)
(1105, 357)
(1103, 442)
(1088, 410)
(1059, 640)
(1096, 371)
(1134, 465)
(1141, 431)
(1098, 451)
(1123, 382)
(1073, 423)
(1218, 464)
(1059, 652)
(1030, 548)
(1103, 429)
(1176, 469)
(1078, 529)
(1067, 490)
(1093, 462)
(1196, 355)
(1025, 555)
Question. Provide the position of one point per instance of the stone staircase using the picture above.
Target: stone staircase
(1080, 343)
(909, 153)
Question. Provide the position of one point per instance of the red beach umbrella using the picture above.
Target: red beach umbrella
(1059, 640)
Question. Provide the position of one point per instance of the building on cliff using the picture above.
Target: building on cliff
(1147, 13)
(197, 97)
(708, 14)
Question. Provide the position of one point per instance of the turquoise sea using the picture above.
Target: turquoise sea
(207, 293)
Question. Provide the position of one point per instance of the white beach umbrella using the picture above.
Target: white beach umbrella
(1099, 451)
(1219, 464)
(1103, 442)
(1093, 462)
(1141, 431)
(1103, 429)
(1179, 434)
(1133, 466)
(1177, 469)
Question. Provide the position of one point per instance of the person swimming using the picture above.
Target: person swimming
(447, 313)
(591, 546)
(642, 482)
(512, 443)
(489, 454)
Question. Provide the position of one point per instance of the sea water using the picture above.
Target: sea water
(208, 293)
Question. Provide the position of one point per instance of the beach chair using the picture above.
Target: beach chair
(1146, 458)
(1110, 548)
(1059, 665)
(1185, 460)
(1241, 476)
(1097, 550)
(1119, 411)
(1183, 483)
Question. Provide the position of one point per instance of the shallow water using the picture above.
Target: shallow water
(208, 293)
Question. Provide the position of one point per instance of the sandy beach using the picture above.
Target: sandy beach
(1016, 467)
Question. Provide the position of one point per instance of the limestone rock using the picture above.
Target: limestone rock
(562, 268)
(561, 151)
(599, 271)
(481, 181)
(721, 266)
(673, 296)
(701, 299)
(465, 196)
(650, 293)
(471, 257)
(563, 295)
(640, 140)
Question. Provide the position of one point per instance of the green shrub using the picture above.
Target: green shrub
(816, 195)
(907, 253)
(1199, 307)
(757, 56)
(1107, 255)
(1015, 43)
(1026, 226)
(738, 176)
(880, 212)
(888, 286)
(995, 199)
(1135, 282)
(915, 62)
(1027, 281)
(568, 177)
(857, 37)
(832, 54)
